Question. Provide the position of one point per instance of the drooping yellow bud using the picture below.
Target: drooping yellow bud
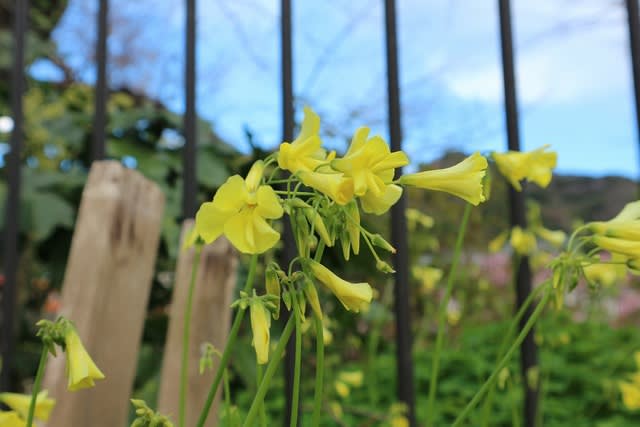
(628, 230)
(311, 293)
(353, 226)
(353, 296)
(260, 325)
(627, 248)
(81, 370)
(21, 402)
(554, 237)
(463, 180)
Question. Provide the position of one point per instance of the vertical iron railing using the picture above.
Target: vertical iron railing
(12, 206)
(633, 17)
(190, 188)
(100, 100)
(528, 350)
(288, 124)
(404, 361)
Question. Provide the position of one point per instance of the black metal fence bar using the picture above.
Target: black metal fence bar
(189, 190)
(12, 225)
(528, 350)
(288, 124)
(100, 100)
(404, 361)
(633, 16)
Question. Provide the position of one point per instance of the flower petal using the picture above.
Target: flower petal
(210, 221)
(268, 203)
(232, 195)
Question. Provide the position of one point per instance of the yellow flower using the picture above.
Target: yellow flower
(370, 163)
(428, 277)
(353, 296)
(536, 166)
(554, 237)
(20, 403)
(631, 211)
(415, 217)
(342, 389)
(620, 246)
(603, 274)
(498, 242)
(624, 229)
(240, 209)
(522, 241)
(353, 378)
(81, 370)
(335, 185)
(11, 419)
(463, 180)
(378, 205)
(305, 153)
(260, 324)
(630, 395)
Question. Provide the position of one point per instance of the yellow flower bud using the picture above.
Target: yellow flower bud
(311, 293)
(260, 324)
(554, 237)
(81, 370)
(353, 296)
(21, 402)
(628, 248)
(353, 226)
(463, 180)
(628, 230)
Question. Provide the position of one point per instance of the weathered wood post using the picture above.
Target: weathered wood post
(210, 322)
(105, 291)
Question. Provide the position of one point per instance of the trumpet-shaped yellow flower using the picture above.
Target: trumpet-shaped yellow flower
(335, 185)
(535, 166)
(11, 419)
(614, 245)
(305, 153)
(370, 163)
(20, 403)
(260, 325)
(463, 180)
(630, 395)
(623, 229)
(523, 241)
(81, 370)
(630, 212)
(240, 210)
(353, 296)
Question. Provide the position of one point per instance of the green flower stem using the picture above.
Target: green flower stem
(36, 385)
(263, 412)
(317, 398)
(271, 370)
(486, 408)
(233, 334)
(514, 347)
(186, 333)
(442, 315)
(295, 398)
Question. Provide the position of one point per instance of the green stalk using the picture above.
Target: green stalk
(263, 412)
(486, 408)
(317, 398)
(514, 347)
(186, 333)
(36, 385)
(442, 315)
(295, 398)
(233, 334)
(271, 370)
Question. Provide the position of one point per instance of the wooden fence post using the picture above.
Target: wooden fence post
(210, 322)
(105, 291)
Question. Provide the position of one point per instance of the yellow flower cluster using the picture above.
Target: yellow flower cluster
(322, 194)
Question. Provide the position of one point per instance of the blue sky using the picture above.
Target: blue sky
(573, 71)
